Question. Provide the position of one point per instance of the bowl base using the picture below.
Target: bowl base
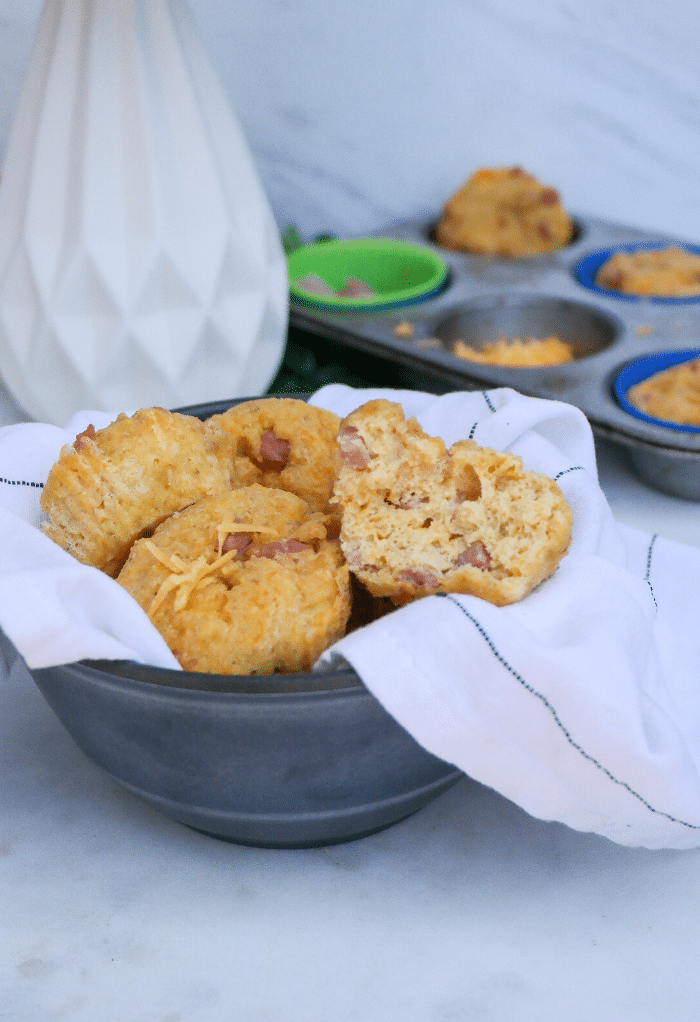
(318, 843)
(304, 829)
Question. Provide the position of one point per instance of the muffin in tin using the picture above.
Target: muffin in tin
(504, 211)
(662, 388)
(671, 272)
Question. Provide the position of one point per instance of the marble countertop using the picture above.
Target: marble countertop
(468, 910)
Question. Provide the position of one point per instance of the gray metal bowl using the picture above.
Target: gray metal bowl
(279, 761)
(283, 761)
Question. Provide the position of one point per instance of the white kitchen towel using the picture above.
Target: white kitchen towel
(54, 609)
(581, 703)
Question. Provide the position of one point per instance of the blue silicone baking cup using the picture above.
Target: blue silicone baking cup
(641, 369)
(586, 270)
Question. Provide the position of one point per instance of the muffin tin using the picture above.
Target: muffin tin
(485, 297)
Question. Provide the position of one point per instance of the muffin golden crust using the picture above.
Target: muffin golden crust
(245, 582)
(286, 444)
(115, 484)
(419, 519)
(670, 272)
(504, 211)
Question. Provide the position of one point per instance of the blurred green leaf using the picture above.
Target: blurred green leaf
(291, 239)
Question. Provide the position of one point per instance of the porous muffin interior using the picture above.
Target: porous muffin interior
(418, 518)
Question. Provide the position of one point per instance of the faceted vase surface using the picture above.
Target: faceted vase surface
(140, 263)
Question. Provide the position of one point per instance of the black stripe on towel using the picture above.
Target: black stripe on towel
(491, 408)
(20, 482)
(647, 576)
(553, 713)
(574, 468)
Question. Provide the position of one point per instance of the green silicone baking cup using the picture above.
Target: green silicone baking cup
(399, 273)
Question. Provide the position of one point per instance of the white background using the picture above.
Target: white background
(362, 114)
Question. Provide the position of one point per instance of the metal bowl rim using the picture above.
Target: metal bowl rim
(128, 674)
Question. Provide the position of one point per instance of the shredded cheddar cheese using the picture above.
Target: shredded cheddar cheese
(516, 351)
(171, 561)
(186, 578)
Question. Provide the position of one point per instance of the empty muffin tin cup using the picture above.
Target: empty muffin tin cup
(643, 368)
(587, 269)
(372, 274)
(585, 329)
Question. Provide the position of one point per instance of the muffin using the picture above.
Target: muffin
(115, 484)
(670, 272)
(504, 211)
(284, 443)
(245, 582)
(419, 519)
(672, 394)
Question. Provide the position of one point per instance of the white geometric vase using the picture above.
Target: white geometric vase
(140, 263)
